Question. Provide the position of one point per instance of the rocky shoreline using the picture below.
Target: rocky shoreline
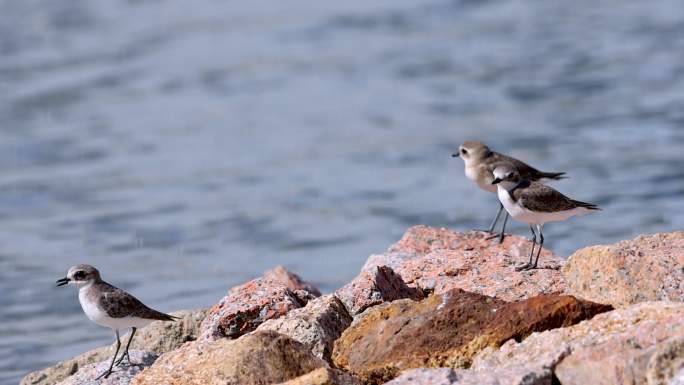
(438, 307)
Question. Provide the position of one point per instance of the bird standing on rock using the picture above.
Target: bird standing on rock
(109, 306)
(535, 204)
(480, 163)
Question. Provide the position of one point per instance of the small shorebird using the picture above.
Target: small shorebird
(535, 204)
(109, 306)
(480, 163)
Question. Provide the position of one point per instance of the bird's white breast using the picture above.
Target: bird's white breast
(90, 308)
(514, 209)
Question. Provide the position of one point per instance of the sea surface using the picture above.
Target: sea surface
(185, 147)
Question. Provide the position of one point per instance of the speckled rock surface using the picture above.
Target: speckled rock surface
(446, 329)
(612, 348)
(646, 268)
(248, 305)
(437, 260)
(317, 325)
(120, 375)
(257, 358)
(666, 364)
(157, 337)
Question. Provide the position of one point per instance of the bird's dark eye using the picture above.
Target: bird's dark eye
(80, 274)
(464, 151)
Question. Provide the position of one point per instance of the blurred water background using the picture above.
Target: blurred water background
(184, 147)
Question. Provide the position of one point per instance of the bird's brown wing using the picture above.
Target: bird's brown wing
(540, 198)
(526, 171)
(118, 304)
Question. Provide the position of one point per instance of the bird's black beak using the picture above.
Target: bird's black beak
(63, 281)
(496, 181)
(454, 155)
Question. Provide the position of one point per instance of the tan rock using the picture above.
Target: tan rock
(157, 337)
(248, 305)
(324, 376)
(120, 375)
(317, 325)
(616, 347)
(438, 260)
(447, 329)
(646, 268)
(258, 358)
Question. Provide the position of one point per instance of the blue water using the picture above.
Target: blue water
(186, 147)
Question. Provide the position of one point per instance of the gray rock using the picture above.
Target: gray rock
(158, 337)
(511, 375)
(423, 376)
(121, 375)
(317, 325)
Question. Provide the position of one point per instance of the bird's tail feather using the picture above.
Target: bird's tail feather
(589, 206)
(553, 175)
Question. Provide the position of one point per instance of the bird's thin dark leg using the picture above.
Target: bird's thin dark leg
(109, 371)
(125, 353)
(541, 244)
(496, 218)
(503, 229)
(534, 242)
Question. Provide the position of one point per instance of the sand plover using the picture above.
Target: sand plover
(109, 306)
(480, 163)
(535, 204)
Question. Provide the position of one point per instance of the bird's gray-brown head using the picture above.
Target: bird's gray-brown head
(506, 175)
(472, 151)
(80, 275)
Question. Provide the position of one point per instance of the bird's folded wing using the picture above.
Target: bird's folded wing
(118, 304)
(541, 198)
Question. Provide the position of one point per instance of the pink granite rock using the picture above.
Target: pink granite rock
(248, 305)
(646, 268)
(374, 286)
(291, 280)
(438, 260)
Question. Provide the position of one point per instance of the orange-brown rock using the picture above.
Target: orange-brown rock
(446, 329)
(254, 359)
(646, 268)
(438, 260)
(638, 344)
(248, 305)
